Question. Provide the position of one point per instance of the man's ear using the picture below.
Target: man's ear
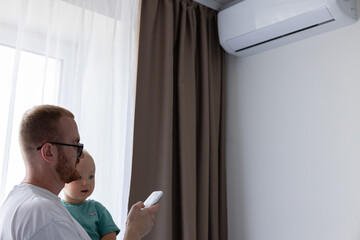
(47, 152)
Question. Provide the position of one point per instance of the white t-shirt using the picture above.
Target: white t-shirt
(30, 213)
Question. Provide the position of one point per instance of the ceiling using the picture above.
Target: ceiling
(217, 4)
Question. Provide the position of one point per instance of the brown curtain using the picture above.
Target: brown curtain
(179, 141)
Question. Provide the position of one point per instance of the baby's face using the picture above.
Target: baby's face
(78, 191)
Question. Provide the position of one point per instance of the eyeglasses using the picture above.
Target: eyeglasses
(80, 147)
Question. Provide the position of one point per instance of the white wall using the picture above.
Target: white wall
(293, 140)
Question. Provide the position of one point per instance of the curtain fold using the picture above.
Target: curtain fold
(179, 141)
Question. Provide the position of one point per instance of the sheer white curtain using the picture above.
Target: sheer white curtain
(79, 54)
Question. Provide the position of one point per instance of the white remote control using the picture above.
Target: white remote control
(153, 198)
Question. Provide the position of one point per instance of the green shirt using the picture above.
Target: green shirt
(93, 217)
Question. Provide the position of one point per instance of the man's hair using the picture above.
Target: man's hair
(39, 125)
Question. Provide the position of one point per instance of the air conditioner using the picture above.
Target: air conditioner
(253, 26)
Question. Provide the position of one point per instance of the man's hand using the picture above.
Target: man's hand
(140, 221)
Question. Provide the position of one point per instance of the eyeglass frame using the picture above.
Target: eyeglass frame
(80, 147)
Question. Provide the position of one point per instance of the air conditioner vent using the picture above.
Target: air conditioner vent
(275, 38)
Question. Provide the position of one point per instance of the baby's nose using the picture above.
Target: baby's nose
(84, 182)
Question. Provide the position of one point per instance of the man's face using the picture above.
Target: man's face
(67, 157)
(66, 168)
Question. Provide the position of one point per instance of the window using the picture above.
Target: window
(80, 55)
(38, 79)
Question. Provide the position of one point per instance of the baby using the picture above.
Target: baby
(91, 215)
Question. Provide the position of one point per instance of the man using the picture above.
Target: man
(51, 148)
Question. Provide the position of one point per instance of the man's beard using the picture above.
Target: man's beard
(66, 170)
